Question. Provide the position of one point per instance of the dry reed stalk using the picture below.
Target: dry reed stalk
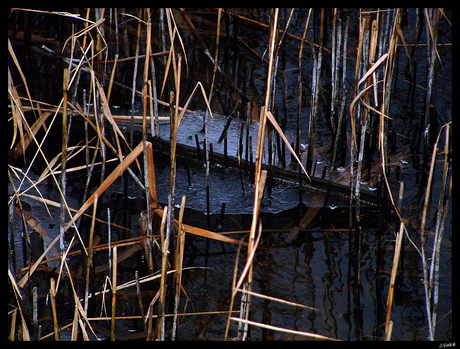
(431, 273)
(179, 259)
(285, 330)
(357, 69)
(138, 317)
(360, 159)
(53, 308)
(317, 64)
(145, 76)
(65, 327)
(155, 54)
(336, 142)
(79, 311)
(151, 202)
(118, 171)
(171, 54)
(109, 238)
(114, 292)
(344, 90)
(174, 112)
(243, 328)
(81, 167)
(13, 325)
(394, 271)
(385, 105)
(260, 176)
(84, 31)
(432, 20)
(160, 327)
(100, 129)
(299, 93)
(335, 61)
(443, 209)
(101, 247)
(202, 232)
(206, 157)
(112, 76)
(150, 316)
(74, 335)
(278, 300)
(261, 133)
(35, 312)
(139, 299)
(142, 280)
(133, 95)
(363, 113)
(89, 257)
(72, 151)
(252, 246)
(237, 284)
(138, 119)
(63, 183)
(148, 46)
(206, 116)
(388, 332)
(274, 123)
(149, 170)
(17, 296)
(216, 56)
(153, 112)
(17, 112)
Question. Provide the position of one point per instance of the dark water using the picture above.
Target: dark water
(318, 269)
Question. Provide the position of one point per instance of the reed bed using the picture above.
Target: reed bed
(345, 77)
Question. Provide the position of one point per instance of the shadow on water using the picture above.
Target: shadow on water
(318, 248)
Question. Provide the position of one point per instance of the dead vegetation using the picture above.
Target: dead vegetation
(142, 57)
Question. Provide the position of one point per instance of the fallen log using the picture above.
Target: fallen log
(188, 154)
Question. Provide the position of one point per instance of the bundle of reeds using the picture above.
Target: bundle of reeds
(104, 59)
